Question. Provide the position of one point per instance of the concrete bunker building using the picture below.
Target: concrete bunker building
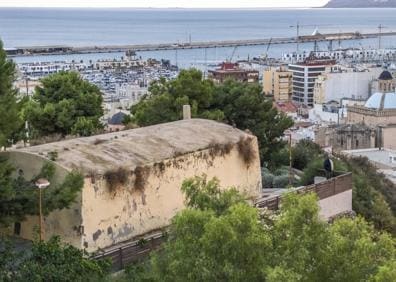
(156, 160)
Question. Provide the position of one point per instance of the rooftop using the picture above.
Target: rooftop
(286, 107)
(385, 75)
(141, 146)
(383, 158)
(381, 101)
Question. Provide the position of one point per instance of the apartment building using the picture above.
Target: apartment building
(304, 77)
(277, 82)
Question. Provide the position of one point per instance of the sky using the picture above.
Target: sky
(164, 3)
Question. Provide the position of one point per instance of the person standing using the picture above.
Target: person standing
(328, 166)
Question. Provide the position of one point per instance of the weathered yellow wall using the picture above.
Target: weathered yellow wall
(60, 222)
(110, 218)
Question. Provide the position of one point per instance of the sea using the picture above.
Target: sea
(20, 27)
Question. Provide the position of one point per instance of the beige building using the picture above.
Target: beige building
(156, 160)
(346, 137)
(277, 82)
(379, 112)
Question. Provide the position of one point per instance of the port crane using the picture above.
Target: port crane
(380, 28)
(233, 53)
(265, 55)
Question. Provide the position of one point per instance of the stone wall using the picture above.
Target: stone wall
(111, 217)
(64, 222)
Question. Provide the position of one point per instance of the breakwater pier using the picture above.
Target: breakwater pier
(64, 49)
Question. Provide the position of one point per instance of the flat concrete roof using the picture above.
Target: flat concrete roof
(380, 157)
(136, 147)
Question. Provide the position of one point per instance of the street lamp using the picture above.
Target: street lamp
(41, 184)
(289, 134)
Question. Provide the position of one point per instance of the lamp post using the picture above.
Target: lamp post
(289, 134)
(41, 184)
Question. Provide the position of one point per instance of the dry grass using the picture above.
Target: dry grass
(160, 167)
(141, 175)
(178, 153)
(53, 155)
(47, 139)
(98, 141)
(116, 178)
(216, 149)
(92, 174)
(246, 150)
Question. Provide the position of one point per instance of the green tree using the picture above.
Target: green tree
(245, 106)
(239, 104)
(355, 251)
(50, 261)
(84, 127)
(374, 196)
(304, 152)
(204, 247)
(237, 242)
(386, 272)
(167, 98)
(65, 104)
(18, 196)
(10, 121)
(299, 237)
(206, 195)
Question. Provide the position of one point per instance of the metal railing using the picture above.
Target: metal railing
(132, 252)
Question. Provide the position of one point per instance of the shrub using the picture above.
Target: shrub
(267, 179)
(282, 171)
(304, 152)
(53, 155)
(281, 181)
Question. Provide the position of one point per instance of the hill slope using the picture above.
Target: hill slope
(361, 4)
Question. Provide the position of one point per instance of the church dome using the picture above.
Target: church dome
(385, 75)
(381, 101)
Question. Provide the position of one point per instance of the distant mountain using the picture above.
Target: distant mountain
(361, 4)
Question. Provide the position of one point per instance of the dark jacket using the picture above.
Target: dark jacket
(327, 165)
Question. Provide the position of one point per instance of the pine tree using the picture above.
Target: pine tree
(9, 118)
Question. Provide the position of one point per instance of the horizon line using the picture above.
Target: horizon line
(130, 7)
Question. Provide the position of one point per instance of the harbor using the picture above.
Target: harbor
(299, 39)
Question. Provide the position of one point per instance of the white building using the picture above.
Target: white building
(348, 55)
(383, 159)
(130, 93)
(345, 83)
(304, 77)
